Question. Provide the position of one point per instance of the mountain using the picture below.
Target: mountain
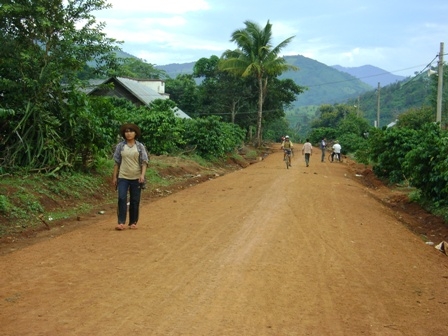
(325, 85)
(174, 69)
(337, 84)
(371, 75)
(124, 54)
(397, 98)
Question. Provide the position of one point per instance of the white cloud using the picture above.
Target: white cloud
(157, 7)
(381, 33)
(283, 30)
(144, 30)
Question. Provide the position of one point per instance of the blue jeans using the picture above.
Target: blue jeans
(133, 187)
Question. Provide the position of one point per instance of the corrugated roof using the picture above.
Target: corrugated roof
(392, 124)
(142, 92)
(181, 114)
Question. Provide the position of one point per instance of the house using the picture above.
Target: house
(140, 92)
(392, 124)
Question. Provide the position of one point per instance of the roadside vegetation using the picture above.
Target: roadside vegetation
(56, 141)
(413, 154)
(30, 203)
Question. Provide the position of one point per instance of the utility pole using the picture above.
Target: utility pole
(440, 86)
(378, 107)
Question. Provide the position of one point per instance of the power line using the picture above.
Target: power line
(239, 113)
(343, 81)
(426, 67)
(359, 78)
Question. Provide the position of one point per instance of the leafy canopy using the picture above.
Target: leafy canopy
(256, 57)
(44, 45)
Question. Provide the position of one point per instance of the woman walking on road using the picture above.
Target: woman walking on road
(131, 160)
(307, 149)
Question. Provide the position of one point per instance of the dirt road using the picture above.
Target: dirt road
(260, 251)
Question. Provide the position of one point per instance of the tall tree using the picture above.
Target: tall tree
(138, 68)
(256, 57)
(183, 91)
(222, 93)
(44, 45)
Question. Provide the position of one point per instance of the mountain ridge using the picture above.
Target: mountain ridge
(324, 84)
(370, 74)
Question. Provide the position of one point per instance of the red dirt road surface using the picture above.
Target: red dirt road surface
(260, 251)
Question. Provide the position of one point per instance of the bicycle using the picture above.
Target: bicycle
(337, 155)
(288, 157)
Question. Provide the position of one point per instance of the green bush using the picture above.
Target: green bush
(426, 164)
(161, 129)
(211, 137)
(388, 149)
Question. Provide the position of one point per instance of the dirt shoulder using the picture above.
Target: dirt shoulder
(176, 174)
(257, 251)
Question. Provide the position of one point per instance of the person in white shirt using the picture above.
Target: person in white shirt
(307, 150)
(336, 151)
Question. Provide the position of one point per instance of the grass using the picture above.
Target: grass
(26, 200)
(23, 198)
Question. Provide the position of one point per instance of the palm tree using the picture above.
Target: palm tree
(256, 57)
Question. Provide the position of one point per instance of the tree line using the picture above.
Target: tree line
(50, 50)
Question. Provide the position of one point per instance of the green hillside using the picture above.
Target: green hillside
(174, 69)
(397, 98)
(325, 84)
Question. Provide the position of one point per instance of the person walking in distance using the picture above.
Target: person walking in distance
(323, 146)
(307, 150)
(286, 146)
(336, 151)
(131, 160)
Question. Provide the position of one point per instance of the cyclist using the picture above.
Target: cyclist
(287, 147)
(336, 151)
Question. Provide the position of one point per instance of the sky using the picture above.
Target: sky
(401, 37)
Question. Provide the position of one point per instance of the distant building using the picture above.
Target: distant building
(141, 92)
(392, 124)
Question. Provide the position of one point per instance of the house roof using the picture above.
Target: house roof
(136, 88)
(181, 114)
(392, 124)
(142, 92)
